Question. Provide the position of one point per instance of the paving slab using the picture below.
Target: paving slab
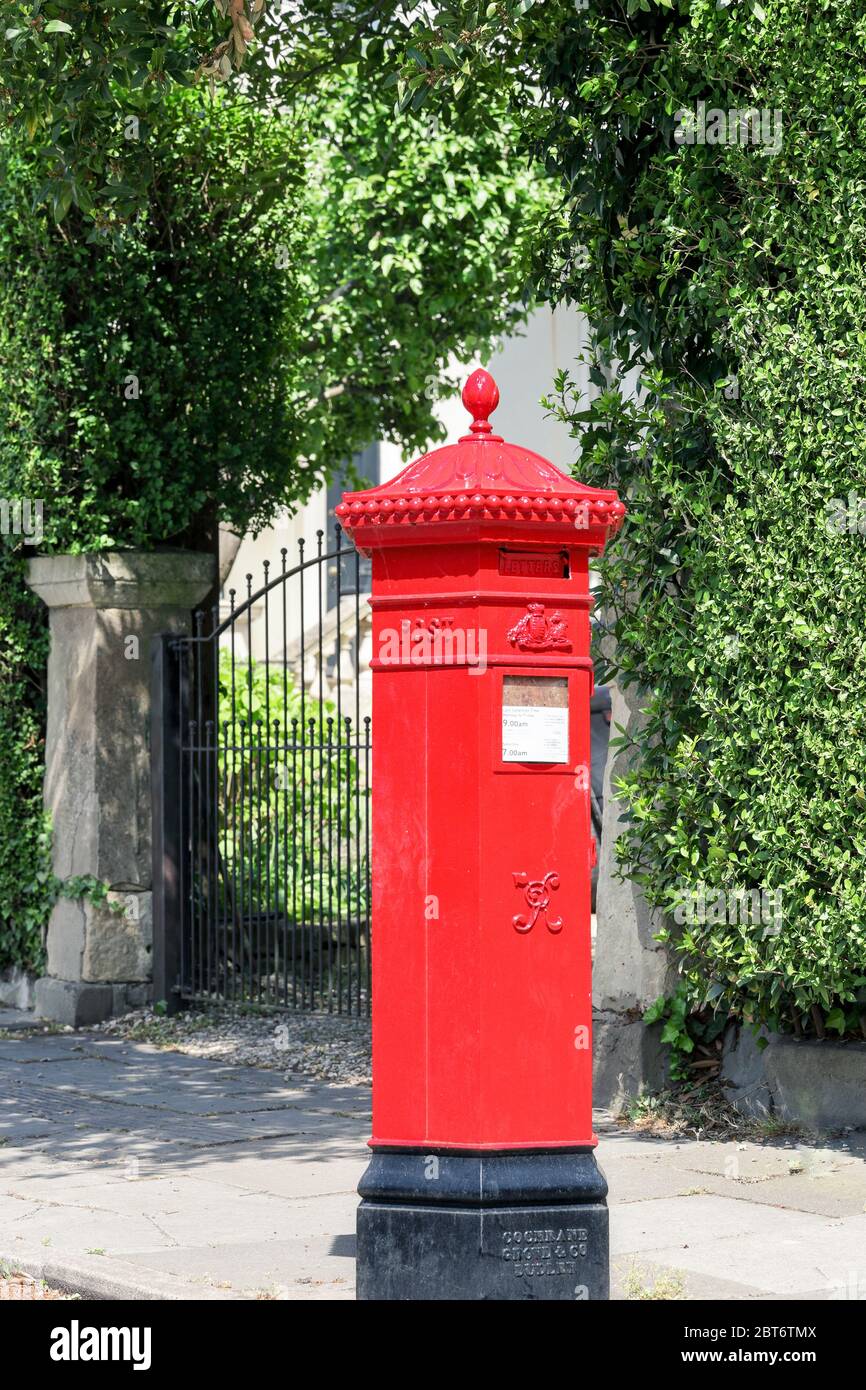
(822, 1180)
(18, 1020)
(201, 1179)
(124, 1161)
(30, 1228)
(289, 1268)
(774, 1249)
(633, 1277)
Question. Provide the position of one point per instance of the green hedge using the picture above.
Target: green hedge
(730, 278)
(140, 374)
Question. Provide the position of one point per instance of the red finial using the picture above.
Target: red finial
(481, 397)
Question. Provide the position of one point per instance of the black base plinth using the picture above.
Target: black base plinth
(502, 1227)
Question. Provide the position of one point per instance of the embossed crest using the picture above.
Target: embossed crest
(535, 632)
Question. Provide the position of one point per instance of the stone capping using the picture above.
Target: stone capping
(820, 1084)
(122, 579)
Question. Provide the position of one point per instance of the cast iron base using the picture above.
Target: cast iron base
(505, 1227)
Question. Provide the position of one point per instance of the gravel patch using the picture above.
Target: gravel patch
(325, 1047)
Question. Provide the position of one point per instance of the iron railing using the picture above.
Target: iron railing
(261, 766)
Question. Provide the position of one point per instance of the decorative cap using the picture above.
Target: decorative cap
(477, 482)
(481, 397)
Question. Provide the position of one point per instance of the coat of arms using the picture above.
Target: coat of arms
(535, 632)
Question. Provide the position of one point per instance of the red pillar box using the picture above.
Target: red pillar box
(483, 1182)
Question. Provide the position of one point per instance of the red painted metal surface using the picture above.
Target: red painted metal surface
(481, 864)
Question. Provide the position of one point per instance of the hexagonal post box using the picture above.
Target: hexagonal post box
(483, 1182)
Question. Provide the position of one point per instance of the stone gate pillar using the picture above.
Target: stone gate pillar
(104, 609)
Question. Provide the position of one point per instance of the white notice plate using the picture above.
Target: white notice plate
(534, 734)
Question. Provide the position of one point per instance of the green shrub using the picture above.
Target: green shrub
(140, 376)
(291, 804)
(136, 377)
(730, 277)
(294, 288)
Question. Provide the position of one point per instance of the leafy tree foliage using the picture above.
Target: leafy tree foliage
(292, 286)
(74, 74)
(293, 290)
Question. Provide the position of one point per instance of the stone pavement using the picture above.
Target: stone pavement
(130, 1171)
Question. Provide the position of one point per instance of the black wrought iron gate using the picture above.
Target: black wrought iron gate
(260, 761)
